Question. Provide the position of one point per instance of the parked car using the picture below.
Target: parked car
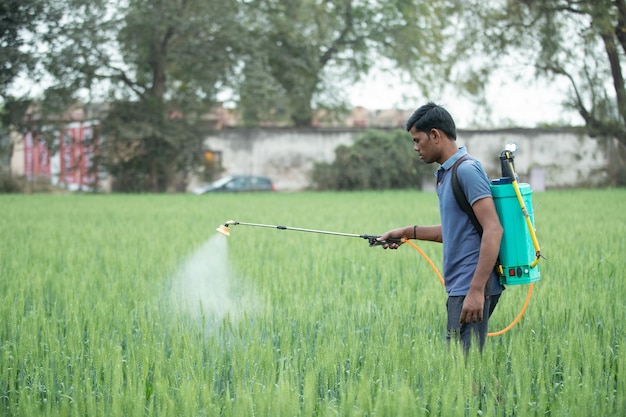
(237, 183)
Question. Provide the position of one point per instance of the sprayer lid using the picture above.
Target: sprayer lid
(507, 190)
(501, 181)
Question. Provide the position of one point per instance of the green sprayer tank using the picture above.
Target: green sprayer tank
(517, 252)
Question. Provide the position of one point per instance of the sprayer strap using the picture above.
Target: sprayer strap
(461, 199)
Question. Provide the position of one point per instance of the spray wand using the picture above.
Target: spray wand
(372, 239)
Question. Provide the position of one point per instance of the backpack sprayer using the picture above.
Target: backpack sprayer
(518, 259)
(519, 249)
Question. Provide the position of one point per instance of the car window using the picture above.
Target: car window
(221, 182)
(261, 183)
(237, 183)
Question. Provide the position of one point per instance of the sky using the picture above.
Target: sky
(513, 103)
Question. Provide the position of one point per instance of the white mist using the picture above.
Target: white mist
(204, 282)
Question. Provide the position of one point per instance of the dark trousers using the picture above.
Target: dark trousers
(467, 332)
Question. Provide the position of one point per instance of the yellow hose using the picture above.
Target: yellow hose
(498, 333)
(430, 262)
(519, 316)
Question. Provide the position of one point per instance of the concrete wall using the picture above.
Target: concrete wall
(285, 155)
(560, 157)
(567, 156)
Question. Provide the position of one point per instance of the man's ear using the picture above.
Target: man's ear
(435, 134)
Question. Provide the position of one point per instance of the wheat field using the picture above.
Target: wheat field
(128, 305)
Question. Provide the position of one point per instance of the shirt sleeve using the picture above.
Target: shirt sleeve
(474, 181)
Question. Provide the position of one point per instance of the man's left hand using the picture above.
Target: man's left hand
(473, 307)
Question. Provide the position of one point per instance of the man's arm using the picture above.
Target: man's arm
(430, 233)
(486, 214)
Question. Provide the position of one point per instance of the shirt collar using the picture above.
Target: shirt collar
(460, 153)
(448, 164)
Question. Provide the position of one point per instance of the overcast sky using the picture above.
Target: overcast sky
(520, 104)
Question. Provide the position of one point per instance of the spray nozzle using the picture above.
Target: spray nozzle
(511, 147)
(223, 229)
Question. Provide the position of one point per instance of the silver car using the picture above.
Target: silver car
(237, 183)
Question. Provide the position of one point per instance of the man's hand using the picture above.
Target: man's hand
(391, 234)
(473, 307)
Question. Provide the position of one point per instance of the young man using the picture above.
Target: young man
(468, 260)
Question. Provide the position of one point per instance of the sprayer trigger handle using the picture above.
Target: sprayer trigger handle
(374, 242)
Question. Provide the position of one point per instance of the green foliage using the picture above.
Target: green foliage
(378, 160)
(295, 45)
(8, 184)
(277, 56)
(582, 42)
(303, 324)
(16, 16)
(144, 151)
(158, 63)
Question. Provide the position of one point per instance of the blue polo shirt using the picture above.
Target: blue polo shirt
(461, 242)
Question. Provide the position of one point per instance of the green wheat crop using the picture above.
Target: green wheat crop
(134, 305)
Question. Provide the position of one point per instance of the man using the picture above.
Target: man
(468, 259)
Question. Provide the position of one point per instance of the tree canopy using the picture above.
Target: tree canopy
(294, 45)
(157, 63)
(17, 17)
(582, 41)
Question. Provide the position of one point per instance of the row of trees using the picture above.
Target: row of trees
(162, 64)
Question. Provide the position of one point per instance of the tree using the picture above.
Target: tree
(159, 63)
(583, 41)
(295, 46)
(16, 18)
(378, 160)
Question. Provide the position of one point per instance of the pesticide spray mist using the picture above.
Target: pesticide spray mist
(204, 284)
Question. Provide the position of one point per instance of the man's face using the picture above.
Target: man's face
(423, 145)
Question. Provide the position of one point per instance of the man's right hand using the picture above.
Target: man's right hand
(395, 234)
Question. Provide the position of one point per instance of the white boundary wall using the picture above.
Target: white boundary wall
(551, 158)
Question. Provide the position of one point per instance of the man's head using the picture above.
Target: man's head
(433, 132)
(432, 116)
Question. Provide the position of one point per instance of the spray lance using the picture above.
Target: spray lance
(372, 239)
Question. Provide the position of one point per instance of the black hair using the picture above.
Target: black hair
(432, 116)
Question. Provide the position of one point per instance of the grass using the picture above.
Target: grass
(134, 305)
